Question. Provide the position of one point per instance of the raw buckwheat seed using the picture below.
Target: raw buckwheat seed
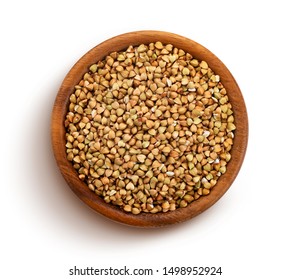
(150, 129)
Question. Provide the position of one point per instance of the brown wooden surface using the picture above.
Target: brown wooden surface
(60, 108)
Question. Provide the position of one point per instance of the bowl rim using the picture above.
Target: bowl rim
(60, 107)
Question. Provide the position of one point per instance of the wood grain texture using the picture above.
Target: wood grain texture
(60, 108)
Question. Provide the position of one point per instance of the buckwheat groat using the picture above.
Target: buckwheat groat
(150, 129)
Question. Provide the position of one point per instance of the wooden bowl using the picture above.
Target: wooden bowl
(60, 108)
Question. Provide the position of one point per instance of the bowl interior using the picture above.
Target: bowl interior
(120, 43)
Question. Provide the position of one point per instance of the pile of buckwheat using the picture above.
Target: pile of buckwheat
(150, 129)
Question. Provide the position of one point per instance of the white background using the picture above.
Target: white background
(46, 229)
